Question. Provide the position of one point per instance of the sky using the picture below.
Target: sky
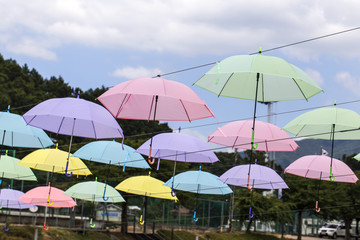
(91, 43)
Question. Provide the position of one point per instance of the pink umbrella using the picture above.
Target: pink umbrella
(48, 197)
(270, 138)
(154, 99)
(317, 167)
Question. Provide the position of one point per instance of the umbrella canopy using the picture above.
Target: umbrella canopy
(154, 99)
(54, 160)
(111, 152)
(261, 177)
(178, 147)
(268, 136)
(74, 117)
(14, 132)
(9, 168)
(322, 123)
(9, 198)
(279, 80)
(357, 157)
(317, 167)
(94, 191)
(199, 182)
(146, 186)
(42, 196)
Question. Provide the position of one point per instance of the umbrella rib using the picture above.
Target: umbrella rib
(62, 120)
(92, 122)
(225, 84)
(152, 103)
(122, 103)
(185, 110)
(299, 89)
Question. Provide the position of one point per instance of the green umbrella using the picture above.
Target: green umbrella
(259, 78)
(10, 169)
(327, 123)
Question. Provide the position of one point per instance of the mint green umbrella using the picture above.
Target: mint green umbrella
(94, 191)
(259, 78)
(327, 123)
(10, 169)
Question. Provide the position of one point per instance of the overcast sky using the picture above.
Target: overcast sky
(92, 43)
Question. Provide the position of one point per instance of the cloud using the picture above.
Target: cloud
(135, 72)
(349, 82)
(315, 75)
(185, 28)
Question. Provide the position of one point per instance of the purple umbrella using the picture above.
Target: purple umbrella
(178, 147)
(261, 177)
(74, 117)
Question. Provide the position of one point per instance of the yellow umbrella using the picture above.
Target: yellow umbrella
(146, 186)
(54, 160)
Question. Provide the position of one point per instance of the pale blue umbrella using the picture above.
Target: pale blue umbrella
(112, 152)
(198, 182)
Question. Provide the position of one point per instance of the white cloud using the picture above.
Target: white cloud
(316, 75)
(349, 82)
(135, 72)
(181, 27)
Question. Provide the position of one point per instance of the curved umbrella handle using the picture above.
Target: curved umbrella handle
(173, 193)
(151, 162)
(250, 214)
(91, 224)
(45, 227)
(6, 229)
(48, 201)
(252, 141)
(141, 220)
(1, 206)
(195, 218)
(332, 178)
(317, 209)
(66, 170)
(107, 198)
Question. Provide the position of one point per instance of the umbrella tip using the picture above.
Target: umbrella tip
(335, 103)
(95, 179)
(149, 173)
(78, 95)
(259, 50)
(200, 168)
(8, 110)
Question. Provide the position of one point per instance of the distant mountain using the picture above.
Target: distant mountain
(313, 146)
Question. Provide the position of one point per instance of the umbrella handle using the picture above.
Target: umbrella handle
(316, 206)
(48, 201)
(66, 170)
(252, 141)
(105, 198)
(1, 206)
(248, 185)
(141, 220)
(195, 218)
(332, 178)
(6, 229)
(91, 224)
(151, 162)
(250, 214)
(45, 227)
(173, 193)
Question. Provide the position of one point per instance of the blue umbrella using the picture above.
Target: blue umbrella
(111, 152)
(14, 132)
(198, 182)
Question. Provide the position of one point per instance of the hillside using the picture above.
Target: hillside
(313, 146)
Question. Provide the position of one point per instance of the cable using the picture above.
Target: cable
(267, 50)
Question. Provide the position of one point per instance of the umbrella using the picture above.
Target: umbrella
(14, 132)
(111, 152)
(9, 198)
(316, 167)
(54, 160)
(327, 123)
(146, 186)
(261, 177)
(74, 117)
(198, 182)
(94, 191)
(357, 157)
(47, 196)
(269, 137)
(259, 78)
(178, 147)
(154, 99)
(10, 169)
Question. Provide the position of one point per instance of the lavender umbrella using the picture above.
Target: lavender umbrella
(74, 117)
